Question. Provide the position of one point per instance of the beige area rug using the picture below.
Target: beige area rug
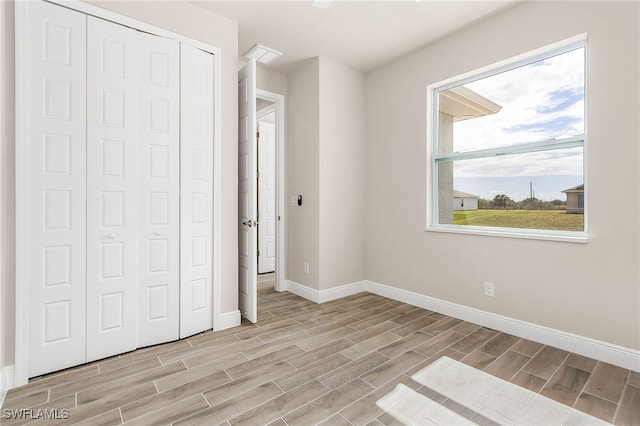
(449, 392)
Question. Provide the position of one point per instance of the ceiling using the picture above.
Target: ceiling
(361, 34)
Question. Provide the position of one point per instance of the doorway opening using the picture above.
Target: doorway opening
(271, 190)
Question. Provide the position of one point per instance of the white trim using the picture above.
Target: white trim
(229, 320)
(527, 234)
(281, 207)
(217, 190)
(524, 148)
(20, 370)
(303, 291)
(342, 291)
(592, 348)
(21, 367)
(6, 381)
(327, 295)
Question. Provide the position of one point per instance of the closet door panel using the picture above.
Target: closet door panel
(111, 188)
(56, 200)
(196, 190)
(158, 189)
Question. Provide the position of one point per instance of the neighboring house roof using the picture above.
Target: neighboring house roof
(463, 103)
(460, 194)
(579, 188)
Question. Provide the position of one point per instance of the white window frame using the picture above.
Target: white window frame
(433, 158)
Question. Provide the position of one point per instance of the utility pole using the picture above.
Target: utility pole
(530, 190)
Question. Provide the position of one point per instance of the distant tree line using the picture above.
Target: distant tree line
(504, 202)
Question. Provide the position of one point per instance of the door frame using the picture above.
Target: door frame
(281, 206)
(260, 113)
(21, 338)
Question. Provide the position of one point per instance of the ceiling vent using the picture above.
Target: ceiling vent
(262, 54)
(322, 4)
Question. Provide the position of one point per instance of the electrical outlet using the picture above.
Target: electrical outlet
(305, 267)
(488, 289)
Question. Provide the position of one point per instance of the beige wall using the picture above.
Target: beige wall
(325, 163)
(599, 296)
(341, 174)
(194, 22)
(7, 182)
(303, 172)
(270, 80)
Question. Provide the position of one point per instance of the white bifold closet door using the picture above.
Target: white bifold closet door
(112, 86)
(56, 188)
(119, 179)
(132, 189)
(196, 190)
(158, 189)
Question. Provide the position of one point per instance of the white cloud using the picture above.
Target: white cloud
(547, 163)
(539, 102)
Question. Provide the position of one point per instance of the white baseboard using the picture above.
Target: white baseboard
(342, 291)
(6, 381)
(228, 320)
(303, 291)
(321, 296)
(603, 351)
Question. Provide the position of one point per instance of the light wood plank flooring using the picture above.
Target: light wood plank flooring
(305, 363)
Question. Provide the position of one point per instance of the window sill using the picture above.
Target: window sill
(527, 234)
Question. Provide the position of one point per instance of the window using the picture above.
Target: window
(511, 138)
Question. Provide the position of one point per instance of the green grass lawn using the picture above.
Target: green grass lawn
(531, 219)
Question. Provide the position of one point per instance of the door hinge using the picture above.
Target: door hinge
(258, 135)
(258, 253)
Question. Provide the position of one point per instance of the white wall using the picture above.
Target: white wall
(194, 22)
(599, 296)
(342, 174)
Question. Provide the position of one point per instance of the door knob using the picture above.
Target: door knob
(248, 223)
(111, 236)
(158, 233)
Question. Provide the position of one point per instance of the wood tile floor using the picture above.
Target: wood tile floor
(305, 363)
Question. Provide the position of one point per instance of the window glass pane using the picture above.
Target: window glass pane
(536, 102)
(536, 190)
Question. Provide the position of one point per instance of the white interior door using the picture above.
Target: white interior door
(247, 193)
(158, 189)
(112, 240)
(56, 195)
(266, 194)
(196, 190)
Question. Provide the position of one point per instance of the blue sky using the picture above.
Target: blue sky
(540, 101)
